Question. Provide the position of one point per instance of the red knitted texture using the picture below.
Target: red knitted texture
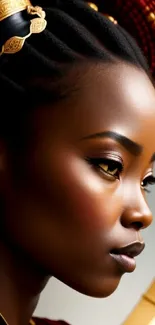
(138, 18)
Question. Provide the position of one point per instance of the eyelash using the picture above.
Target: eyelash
(116, 165)
(97, 162)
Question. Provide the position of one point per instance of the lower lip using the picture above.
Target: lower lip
(126, 263)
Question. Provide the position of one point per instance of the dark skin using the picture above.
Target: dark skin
(65, 211)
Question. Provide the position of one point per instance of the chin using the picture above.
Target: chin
(107, 290)
(97, 289)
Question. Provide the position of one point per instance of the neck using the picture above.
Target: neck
(20, 287)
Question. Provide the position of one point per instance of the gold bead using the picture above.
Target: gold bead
(151, 17)
(93, 6)
(111, 19)
(147, 9)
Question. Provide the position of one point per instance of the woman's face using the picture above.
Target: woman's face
(78, 195)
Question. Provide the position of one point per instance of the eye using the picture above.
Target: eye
(149, 180)
(108, 167)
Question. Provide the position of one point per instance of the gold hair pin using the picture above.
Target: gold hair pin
(37, 23)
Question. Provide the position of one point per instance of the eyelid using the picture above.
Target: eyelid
(107, 155)
(149, 174)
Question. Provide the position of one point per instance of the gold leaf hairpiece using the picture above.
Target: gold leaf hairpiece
(37, 24)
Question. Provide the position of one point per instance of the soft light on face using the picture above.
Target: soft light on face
(82, 194)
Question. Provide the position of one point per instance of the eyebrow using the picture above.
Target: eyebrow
(131, 146)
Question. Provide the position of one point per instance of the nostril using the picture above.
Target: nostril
(136, 218)
(127, 223)
(137, 225)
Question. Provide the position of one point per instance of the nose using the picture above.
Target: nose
(136, 213)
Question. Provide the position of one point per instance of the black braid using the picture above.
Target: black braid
(74, 33)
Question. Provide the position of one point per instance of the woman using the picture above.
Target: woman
(76, 152)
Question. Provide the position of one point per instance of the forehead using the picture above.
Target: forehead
(100, 97)
(117, 96)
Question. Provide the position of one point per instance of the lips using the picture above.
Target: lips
(124, 256)
(131, 250)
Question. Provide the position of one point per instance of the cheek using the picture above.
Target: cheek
(87, 199)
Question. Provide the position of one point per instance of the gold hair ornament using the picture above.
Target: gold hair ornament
(94, 6)
(37, 24)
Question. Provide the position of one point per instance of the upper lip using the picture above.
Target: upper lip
(131, 250)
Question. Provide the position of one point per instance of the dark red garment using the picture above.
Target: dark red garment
(45, 321)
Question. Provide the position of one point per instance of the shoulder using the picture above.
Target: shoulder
(45, 321)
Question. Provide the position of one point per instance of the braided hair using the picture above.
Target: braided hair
(75, 33)
(138, 18)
